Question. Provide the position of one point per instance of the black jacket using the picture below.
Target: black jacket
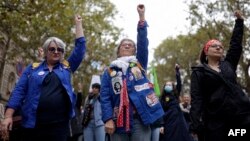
(217, 96)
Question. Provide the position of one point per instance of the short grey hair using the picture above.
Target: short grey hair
(125, 39)
(58, 42)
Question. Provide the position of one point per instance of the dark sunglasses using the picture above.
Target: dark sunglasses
(53, 49)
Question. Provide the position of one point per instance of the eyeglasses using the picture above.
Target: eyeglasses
(53, 50)
(215, 46)
(127, 44)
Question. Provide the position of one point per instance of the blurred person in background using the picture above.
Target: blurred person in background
(93, 126)
(174, 125)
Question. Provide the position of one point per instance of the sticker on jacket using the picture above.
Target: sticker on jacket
(137, 73)
(40, 73)
(117, 84)
(167, 99)
(144, 86)
(152, 99)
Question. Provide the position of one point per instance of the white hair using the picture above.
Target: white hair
(57, 41)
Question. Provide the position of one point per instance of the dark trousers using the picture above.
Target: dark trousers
(49, 132)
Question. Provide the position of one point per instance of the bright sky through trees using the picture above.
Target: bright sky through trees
(165, 18)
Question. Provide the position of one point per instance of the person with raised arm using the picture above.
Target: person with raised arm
(218, 103)
(174, 127)
(129, 104)
(44, 91)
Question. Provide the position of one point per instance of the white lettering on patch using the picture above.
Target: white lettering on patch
(144, 86)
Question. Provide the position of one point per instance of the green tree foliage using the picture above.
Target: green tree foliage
(182, 50)
(25, 24)
(208, 20)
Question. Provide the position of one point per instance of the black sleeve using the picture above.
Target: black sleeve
(196, 102)
(178, 79)
(235, 49)
(79, 100)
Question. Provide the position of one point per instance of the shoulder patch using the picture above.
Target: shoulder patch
(65, 63)
(35, 65)
(110, 71)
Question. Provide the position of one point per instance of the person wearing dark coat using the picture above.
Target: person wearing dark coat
(218, 103)
(174, 125)
(75, 128)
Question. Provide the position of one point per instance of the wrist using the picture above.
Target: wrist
(142, 17)
(6, 117)
(141, 22)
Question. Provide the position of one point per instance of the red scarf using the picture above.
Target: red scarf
(124, 103)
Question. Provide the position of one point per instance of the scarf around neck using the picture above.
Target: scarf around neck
(123, 62)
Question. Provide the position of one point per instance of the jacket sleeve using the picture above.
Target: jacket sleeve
(77, 54)
(235, 50)
(20, 90)
(178, 80)
(196, 103)
(142, 44)
(106, 99)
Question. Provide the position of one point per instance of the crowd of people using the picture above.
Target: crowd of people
(124, 106)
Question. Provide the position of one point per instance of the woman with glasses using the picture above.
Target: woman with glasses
(44, 92)
(218, 102)
(129, 104)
